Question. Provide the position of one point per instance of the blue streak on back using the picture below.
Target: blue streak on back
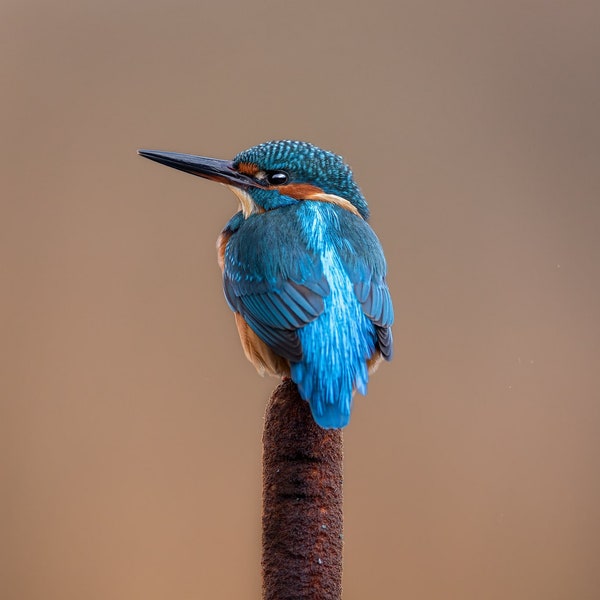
(336, 345)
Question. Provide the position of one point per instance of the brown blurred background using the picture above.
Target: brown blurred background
(130, 423)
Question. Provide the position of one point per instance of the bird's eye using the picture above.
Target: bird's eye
(277, 177)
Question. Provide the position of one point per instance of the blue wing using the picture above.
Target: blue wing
(273, 281)
(365, 264)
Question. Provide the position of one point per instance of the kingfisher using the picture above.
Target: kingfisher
(303, 272)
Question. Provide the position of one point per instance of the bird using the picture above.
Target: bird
(303, 272)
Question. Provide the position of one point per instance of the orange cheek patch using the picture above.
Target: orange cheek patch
(299, 191)
(247, 169)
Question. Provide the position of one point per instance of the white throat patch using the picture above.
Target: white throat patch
(247, 205)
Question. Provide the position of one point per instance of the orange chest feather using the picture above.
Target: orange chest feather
(221, 247)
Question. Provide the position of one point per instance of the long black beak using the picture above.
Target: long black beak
(214, 169)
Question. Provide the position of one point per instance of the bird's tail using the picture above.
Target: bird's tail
(329, 390)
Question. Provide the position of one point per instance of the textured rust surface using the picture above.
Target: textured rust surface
(302, 502)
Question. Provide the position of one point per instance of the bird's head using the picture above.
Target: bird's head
(275, 174)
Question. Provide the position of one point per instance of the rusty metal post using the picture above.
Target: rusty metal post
(302, 502)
